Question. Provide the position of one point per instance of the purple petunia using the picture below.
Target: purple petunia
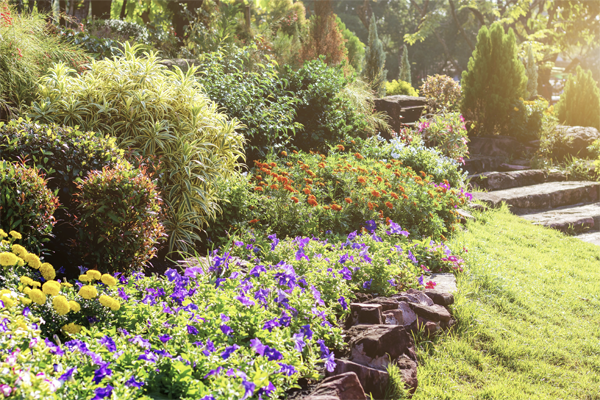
(131, 382)
(164, 338)
(110, 344)
(148, 356)
(343, 303)
(103, 393)
(102, 373)
(299, 341)
(371, 226)
(270, 324)
(192, 330)
(249, 389)
(272, 354)
(346, 273)
(228, 351)
(257, 346)
(68, 375)
(306, 331)
(245, 301)
(367, 284)
(287, 370)
(227, 330)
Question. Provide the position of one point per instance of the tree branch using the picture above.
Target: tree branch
(462, 31)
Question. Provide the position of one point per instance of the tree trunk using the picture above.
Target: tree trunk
(101, 9)
(462, 31)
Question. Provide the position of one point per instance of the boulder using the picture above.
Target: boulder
(377, 345)
(373, 381)
(402, 315)
(386, 303)
(401, 109)
(440, 297)
(496, 146)
(414, 296)
(576, 139)
(408, 370)
(434, 313)
(429, 327)
(343, 386)
(365, 313)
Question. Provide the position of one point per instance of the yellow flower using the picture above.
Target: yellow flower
(6, 297)
(8, 259)
(71, 328)
(15, 234)
(3, 234)
(66, 284)
(74, 306)
(51, 288)
(33, 260)
(109, 280)
(25, 300)
(88, 292)
(18, 250)
(84, 278)
(20, 262)
(27, 290)
(38, 296)
(109, 302)
(25, 280)
(95, 275)
(61, 305)
(36, 284)
(48, 271)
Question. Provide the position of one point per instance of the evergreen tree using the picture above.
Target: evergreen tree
(532, 74)
(325, 36)
(579, 104)
(373, 70)
(493, 83)
(404, 74)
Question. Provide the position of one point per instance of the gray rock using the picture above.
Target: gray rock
(414, 296)
(403, 315)
(495, 146)
(429, 327)
(377, 345)
(576, 139)
(570, 219)
(342, 386)
(386, 303)
(507, 180)
(435, 313)
(444, 282)
(366, 313)
(408, 370)
(373, 381)
(439, 297)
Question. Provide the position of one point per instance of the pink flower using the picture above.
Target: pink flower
(430, 285)
(5, 390)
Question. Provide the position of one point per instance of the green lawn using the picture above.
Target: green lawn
(529, 306)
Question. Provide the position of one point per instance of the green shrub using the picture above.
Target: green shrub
(159, 115)
(527, 118)
(118, 224)
(356, 48)
(447, 133)
(579, 105)
(400, 87)
(493, 82)
(27, 49)
(26, 204)
(374, 65)
(442, 92)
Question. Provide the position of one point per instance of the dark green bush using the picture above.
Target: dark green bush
(579, 104)
(118, 219)
(26, 204)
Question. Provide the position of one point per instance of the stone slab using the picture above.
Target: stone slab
(444, 282)
(542, 196)
(569, 219)
(591, 237)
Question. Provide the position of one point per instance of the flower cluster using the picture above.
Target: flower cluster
(446, 132)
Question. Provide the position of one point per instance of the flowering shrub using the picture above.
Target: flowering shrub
(26, 203)
(118, 219)
(442, 92)
(447, 133)
(528, 117)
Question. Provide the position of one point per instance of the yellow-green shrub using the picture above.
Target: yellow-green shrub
(400, 87)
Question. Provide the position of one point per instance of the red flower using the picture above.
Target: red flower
(430, 285)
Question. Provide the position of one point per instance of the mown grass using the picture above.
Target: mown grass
(529, 306)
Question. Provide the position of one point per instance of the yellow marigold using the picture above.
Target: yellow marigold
(71, 328)
(48, 271)
(8, 259)
(15, 234)
(20, 262)
(36, 284)
(88, 292)
(66, 284)
(284, 153)
(51, 288)
(109, 302)
(25, 280)
(61, 305)
(25, 300)
(74, 306)
(84, 278)
(6, 296)
(26, 290)
(19, 250)
(38, 296)
(108, 280)
(33, 260)
(94, 274)
(3, 234)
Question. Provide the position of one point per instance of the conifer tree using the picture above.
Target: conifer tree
(532, 74)
(579, 104)
(373, 69)
(493, 82)
(404, 74)
(325, 36)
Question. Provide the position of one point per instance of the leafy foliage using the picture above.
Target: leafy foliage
(579, 104)
(527, 118)
(400, 87)
(356, 48)
(26, 203)
(158, 114)
(118, 225)
(495, 79)
(447, 133)
(442, 92)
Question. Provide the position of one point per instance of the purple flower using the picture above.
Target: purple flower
(192, 330)
(257, 346)
(306, 331)
(226, 330)
(102, 393)
(267, 390)
(285, 320)
(245, 301)
(317, 296)
(172, 274)
(54, 349)
(287, 370)
(371, 226)
(343, 258)
(193, 271)
(343, 303)
(275, 241)
(367, 285)
(300, 255)
(299, 341)
(412, 258)
(210, 347)
(330, 362)
(109, 343)
(140, 341)
(249, 389)
(212, 372)
(133, 383)
(396, 229)
(352, 235)
(270, 324)
(164, 338)
(148, 356)
(346, 273)
(228, 350)
(272, 354)
(261, 295)
(67, 376)
(420, 280)
(102, 373)
(238, 243)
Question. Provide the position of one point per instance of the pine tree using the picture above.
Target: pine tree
(494, 81)
(579, 104)
(373, 70)
(404, 74)
(325, 36)
(532, 74)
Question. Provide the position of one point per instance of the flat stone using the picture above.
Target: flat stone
(414, 296)
(464, 216)
(444, 282)
(476, 164)
(591, 237)
(385, 302)
(506, 180)
(512, 167)
(542, 196)
(366, 313)
(495, 146)
(373, 381)
(439, 297)
(377, 345)
(576, 139)
(342, 386)
(568, 219)
(435, 313)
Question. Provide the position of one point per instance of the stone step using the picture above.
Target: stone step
(590, 237)
(575, 219)
(506, 180)
(542, 196)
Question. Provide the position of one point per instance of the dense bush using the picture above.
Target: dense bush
(259, 99)
(579, 105)
(527, 118)
(118, 224)
(493, 82)
(26, 203)
(442, 92)
(447, 133)
(159, 115)
(400, 87)
(27, 49)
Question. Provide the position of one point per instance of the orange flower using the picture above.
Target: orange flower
(326, 207)
(336, 207)
(388, 166)
(284, 153)
(274, 187)
(272, 164)
(370, 205)
(340, 147)
(258, 189)
(383, 191)
(258, 177)
(376, 193)
(312, 201)
(358, 156)
(321, 165)
(394, 195)
(348, 200)
(381, 214)
(294, 151)
(253, 221)
(361, 179)
(389, 205)
(306, 190)
(307, 180)
(295, 199)
(405, 196)
(353, 142)
(289, 164)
